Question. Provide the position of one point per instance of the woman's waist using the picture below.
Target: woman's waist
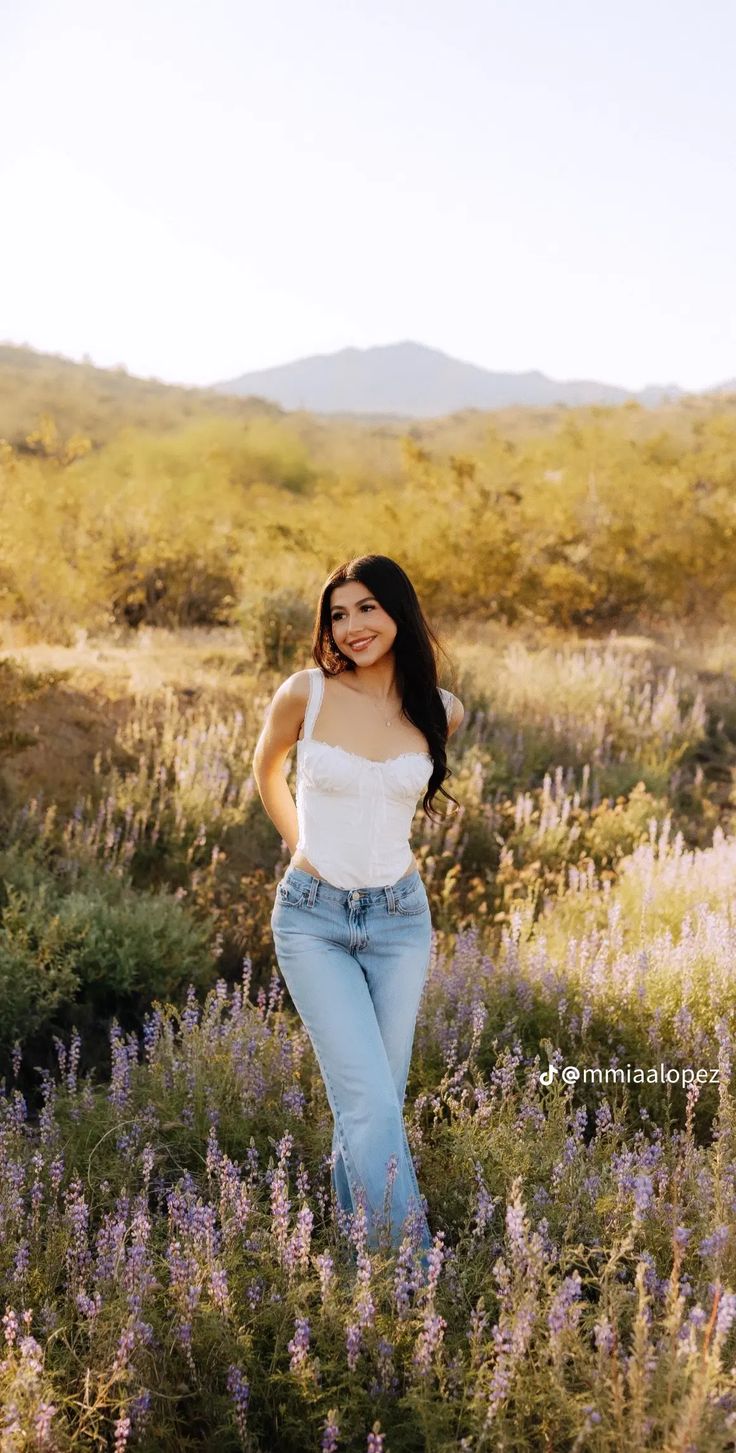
(370, 893)
(358, 872)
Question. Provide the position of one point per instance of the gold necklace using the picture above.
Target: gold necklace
(388, 721)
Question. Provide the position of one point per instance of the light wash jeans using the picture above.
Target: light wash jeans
(355, 962)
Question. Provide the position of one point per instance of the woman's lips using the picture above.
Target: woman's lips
(362, 645)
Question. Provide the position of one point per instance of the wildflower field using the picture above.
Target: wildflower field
(175, 1273)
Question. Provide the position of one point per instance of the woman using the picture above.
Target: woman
(351, 921)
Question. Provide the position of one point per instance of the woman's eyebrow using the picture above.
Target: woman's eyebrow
(358, 602)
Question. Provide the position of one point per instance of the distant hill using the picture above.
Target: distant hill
(410, 380)
(96, 402)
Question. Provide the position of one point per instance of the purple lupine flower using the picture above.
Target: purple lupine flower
(326, 1271)
(255, 1292)
(564, 1312)
(331, 1433)
(10, 1325)
(293, 1100)
(353, 1339)
(643, 1190)
(434, 1263)
(139, 1409)
(148, 1160)
(126, 1344)
(17, 1111)
(299, 1345)
(122, 1431)
(603, 1118)
(714, 1244)
(213, 1157)
(89, 1306)
(603, 1334)
(37, 1161)
(219, 1288)
(502, 1372)
(405, 1277)
(429, 1341)
(184, 1274)
(120, 1076)
(151, 1028)
(375, 1440)
(20, 1265)
(516, 1227)
(74, 1053)
(301, 1238)
(190, 1015)
(78, 1255)
(239, 1391)
(687, 1338)
(392, 1166)
(478, 1322)
(359, 1223)
(384, 1357)
(522, 1325)
(580, 1122)
(42, 1421)
(280, 1203)
(726, 1313)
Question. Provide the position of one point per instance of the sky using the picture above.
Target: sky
(199, 190)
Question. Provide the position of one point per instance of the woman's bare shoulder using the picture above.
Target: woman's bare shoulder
(296, 686)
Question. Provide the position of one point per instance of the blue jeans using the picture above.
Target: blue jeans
(355, 962)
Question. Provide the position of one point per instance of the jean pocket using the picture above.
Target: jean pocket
(289, 894)
(413, 902)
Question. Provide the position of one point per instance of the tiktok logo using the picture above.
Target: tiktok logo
(547, 1076)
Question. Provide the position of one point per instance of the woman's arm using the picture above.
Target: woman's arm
(280, 731)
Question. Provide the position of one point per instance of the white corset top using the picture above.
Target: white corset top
(355, 814)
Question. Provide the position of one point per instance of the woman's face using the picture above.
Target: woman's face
(356, 616)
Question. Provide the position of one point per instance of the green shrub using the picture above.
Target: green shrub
(178, 589)
(280, 624)
(86, 951)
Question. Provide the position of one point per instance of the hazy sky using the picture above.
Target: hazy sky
(200, 189)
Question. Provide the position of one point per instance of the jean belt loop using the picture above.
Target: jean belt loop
(390, 898)
(312, 894)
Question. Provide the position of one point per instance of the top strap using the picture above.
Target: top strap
(316, 692)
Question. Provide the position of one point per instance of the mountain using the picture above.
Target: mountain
(409, 379)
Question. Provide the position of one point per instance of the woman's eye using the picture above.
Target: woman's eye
(335, 619)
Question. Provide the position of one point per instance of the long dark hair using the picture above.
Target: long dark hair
(414, 651)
